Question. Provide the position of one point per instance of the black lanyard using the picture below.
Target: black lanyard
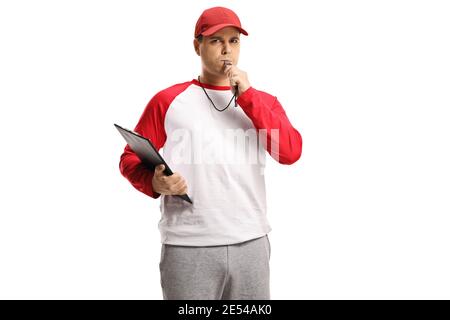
(220, 110)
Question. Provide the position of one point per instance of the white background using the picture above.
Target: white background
(364, 214)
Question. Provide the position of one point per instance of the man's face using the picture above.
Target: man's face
(224, 45)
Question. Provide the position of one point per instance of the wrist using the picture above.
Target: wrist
(242, 89)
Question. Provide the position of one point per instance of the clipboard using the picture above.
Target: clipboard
(147, 152)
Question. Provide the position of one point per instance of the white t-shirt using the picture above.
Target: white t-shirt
(220, 154)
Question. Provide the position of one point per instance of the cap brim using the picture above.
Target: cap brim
(216, 28)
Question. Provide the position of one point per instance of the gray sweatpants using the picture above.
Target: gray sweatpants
(229, 272)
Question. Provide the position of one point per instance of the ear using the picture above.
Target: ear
(197, 46)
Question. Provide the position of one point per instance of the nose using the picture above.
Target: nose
(226, 48)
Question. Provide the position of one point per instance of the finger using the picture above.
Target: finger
(176, 188)
(233, 76)
(159, 169)
(182, 190)
(171, 180)
(231, 70)
(230, 75)
(176, 185)
(229, 67)
(175, 178)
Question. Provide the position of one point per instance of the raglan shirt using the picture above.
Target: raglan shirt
(220, 154)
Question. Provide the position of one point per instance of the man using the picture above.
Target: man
(217, 247)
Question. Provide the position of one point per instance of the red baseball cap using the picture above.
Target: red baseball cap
(216, 18)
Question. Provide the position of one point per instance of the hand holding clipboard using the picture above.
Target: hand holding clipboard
(147, 152)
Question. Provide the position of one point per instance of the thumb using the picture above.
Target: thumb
(160, 168)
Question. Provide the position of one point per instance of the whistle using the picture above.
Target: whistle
(229, 63)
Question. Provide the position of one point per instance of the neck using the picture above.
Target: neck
(215, 80)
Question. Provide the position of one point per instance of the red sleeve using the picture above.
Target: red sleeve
(151, 126)
(266, 112)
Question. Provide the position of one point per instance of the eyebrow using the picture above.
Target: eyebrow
(220, 38)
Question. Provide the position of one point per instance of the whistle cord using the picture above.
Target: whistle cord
(220, 110)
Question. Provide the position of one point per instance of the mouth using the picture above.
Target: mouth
(227, 62)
